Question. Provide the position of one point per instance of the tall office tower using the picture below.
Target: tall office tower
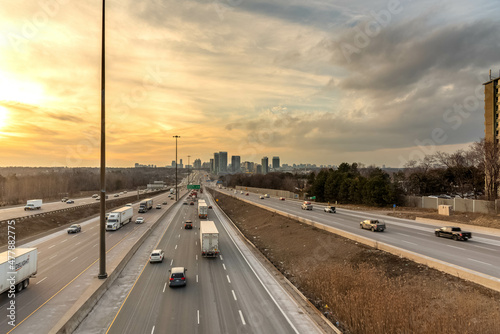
(276, 163)
(236, 163)
(265, 165)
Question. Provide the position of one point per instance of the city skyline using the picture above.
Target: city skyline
(375, 82)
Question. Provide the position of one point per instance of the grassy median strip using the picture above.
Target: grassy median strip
(364, 289)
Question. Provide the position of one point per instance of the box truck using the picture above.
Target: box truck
(33, 204)
(17, 266)
(119, 217)
(209, 239)
(146, 205)
(202, 210)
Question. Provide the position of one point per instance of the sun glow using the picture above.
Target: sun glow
(13, 90)
(4, 116)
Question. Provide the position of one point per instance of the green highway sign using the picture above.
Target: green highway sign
(193, 186)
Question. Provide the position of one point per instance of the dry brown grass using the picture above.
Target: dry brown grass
(366, 290)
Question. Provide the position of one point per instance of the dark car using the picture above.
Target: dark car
(164, 203)
(192, 203)
(70, 201)
(116, 195)
(177, 277)
(209, 206)
(75, 228)
(188, 224)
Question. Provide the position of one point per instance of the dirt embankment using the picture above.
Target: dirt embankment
(45, 222)
(364, 289)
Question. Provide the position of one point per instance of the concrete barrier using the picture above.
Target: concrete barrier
(464, 273)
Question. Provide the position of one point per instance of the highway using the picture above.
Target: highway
(18, 211)
(480, 254)
(63, 256)
(222, 295)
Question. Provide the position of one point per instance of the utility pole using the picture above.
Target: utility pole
(176, 192)
(102, 223)
(188, 167)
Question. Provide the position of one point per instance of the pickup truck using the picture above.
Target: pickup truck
(330, 209)
(372, 224)
(453, 232)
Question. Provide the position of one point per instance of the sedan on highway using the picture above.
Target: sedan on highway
(70, 201)
(177, 277)
(139, 220)
(158, 206)
(116, 195)
(75, 228)
(261, 197)
(282, 198)
(156, 256)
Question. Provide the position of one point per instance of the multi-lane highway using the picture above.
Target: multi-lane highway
(479, 254)
(62, 257)
(223, 294)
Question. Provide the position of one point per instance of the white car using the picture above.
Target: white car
(156, 256)
(128, 204)
(139, 220)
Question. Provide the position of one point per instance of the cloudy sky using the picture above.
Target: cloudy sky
(316, 81)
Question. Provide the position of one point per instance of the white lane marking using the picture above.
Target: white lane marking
(228, 279)
(234, 295)
(221, 257)
(489, 264)
(196, 243)
(198, 312)
(179, 234)
(455, 247)
(94, 234)
(196, 278)
(78, 243)
(196, 257)
(91, 227)
(164, 287)
(171, 262)
(402, 234)
(74, 259)
(223, 265)
(61, 242)
(175, 246)
(409, 242)
(50, 258)
(52, 246)
(94, 245)
(490, 249)
(40, 281)
(153, 330)
(242, 319)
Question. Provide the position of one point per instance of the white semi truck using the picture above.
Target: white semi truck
(202, 210)
(33, 204)
(209, 239)
(17, 266)
(119, 217)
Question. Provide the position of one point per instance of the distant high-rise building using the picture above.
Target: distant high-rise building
(236, 164)
(173, 163)
(212, 166)
(265, 165)
(491, 114)
(222, 162)
(259, 169)
(197, 163)
(216, 163)
(276, 163)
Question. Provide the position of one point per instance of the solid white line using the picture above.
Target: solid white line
(171, 262)
(198, 312)
(228, 279)
(153, 330)
(175, 246)
(52, 246)
(455, 247)
(61, 242)
(234, 295)
(196, 278)
(164, 287)
(242, 319)
(489, 264)
(409, 242)
(74, 259)
(40, 281)
(224, 266)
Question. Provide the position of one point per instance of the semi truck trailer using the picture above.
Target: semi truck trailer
(17, 266)
(209, 239)
(119, 217)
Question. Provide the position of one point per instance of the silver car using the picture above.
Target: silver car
(156, 256)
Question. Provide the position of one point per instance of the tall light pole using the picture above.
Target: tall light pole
(102, 223)
(176, 192)
(188, 167)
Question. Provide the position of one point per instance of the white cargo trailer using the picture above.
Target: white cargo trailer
(119, 217)
(209, 239)
(33, 204)
(17, 266)
(202, 210)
